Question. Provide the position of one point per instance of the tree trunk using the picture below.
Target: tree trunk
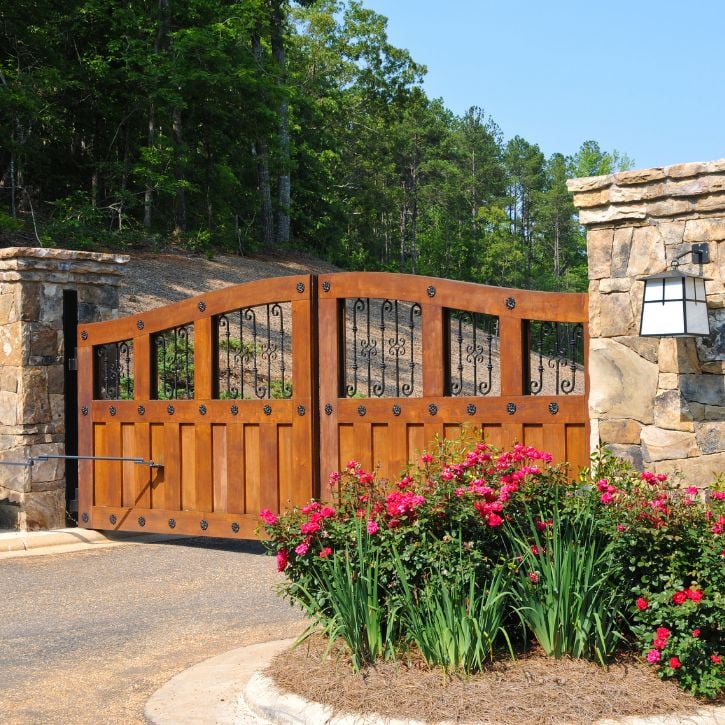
(284, 185)
(180, 204)
(148, 195)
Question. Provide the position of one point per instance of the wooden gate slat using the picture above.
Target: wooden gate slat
(236, 468)
(219, 467)
(143, 474)
(270, 467)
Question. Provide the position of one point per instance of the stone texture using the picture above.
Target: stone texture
(620, 430)
(704, 230)
(712, 348)
(706, 389)
(599, 252)
(646, 347)
(622, 384)
(671, 411)
(710, 437)
(617, 316)
(700, 471)
(633, 454)
(44, 510)
(623, 284)
(647, 255)
(668, 381)
(662, 445)
(621, 250)
(678, 355)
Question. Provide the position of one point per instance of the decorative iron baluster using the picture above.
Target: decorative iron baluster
(379, 387)
(575, 350)
(113, 371)
(368, 346)
(415, 311)
(277, 312)
(558, 346)
(224, 327)
(358, 306)
(474, 335)
(174, 350)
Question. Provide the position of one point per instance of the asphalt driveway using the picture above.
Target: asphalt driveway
(87, 637)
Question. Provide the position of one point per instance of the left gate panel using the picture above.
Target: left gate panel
(196, 416)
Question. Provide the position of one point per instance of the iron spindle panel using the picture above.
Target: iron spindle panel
(173, 352)
(556, 358)
(255, 350)
(114, 371)
(383, 355)
(475, 355)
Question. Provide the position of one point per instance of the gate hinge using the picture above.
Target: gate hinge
(72, 363)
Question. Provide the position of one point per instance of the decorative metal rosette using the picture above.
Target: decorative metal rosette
(112, 518)
(267, 410)
(84, 410)
(141, 410)
(172, 523)
(326, 286)
(202, 409)
(141, 521)
(234, 410)
(397, 410)
(471, 409)
(202, 306)
(139, 324)
(170, 409)
(432, 408)
(112, 410)
(300, 287)
(204, 524)
(235, 527)
(84, 517)
(553, 408)
(511, 408)
(84, 335)
(300, 410)
(510, 303)
(328, 409)
(431, 291)
(361, 410)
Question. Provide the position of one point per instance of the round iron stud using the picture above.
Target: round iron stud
(471, 409)
(84, 410)
(553, 408)
(204, 524)
(202, 306)
(84, 335)
(234, 410)
(172, 523)
(141, 410)
(300, 410)
(141, 521)
(139, 324)
(432, 408)
(84, 517)
(511, 408)
(267, 410)
(510, 303)
(112, 518)
(202, 409)
(326, 286)
(361, 410)
(170, 409)
(300, 287)
(396, 410)
(328, 409)
(431, 291)
(235, 527)
(112, 410)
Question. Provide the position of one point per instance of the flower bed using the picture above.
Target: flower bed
(475, 552)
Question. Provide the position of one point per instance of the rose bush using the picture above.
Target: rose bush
(470, 541)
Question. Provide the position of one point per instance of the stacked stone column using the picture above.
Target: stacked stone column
(660, 402)
(32, 402)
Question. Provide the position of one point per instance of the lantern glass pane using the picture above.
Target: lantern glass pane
(673, 288)
(697, 322)
(663, 318)
(653, 289)
(690, 288)
(699, 283)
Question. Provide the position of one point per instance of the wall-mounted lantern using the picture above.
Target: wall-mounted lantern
(674, 302)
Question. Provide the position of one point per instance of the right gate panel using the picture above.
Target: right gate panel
(404, 359)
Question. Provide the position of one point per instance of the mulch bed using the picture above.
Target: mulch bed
(532, 689)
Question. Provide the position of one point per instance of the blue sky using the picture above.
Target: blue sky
(645, 77)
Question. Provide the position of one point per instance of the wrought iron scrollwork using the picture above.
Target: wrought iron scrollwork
(254, 353)
(384, 355)
(173, 352)
(557, 358)
(474, 348)
(114, 371)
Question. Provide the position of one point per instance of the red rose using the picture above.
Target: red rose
(675, 664)
(694, 594)
(642, 604)
(716, 659)
(679, 597)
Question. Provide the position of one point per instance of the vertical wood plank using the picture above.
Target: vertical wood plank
(382, 451)
(187, 460)
(511, 344)
(364, 445)
(398, 435)
(143, 474)
(252, 470)
(416, 442)
(86, 470)
(219, 466)
(236, 468)
(555, 441)
(169, 492)
(298, 445)
(492, 435)
(114, 485)
(328, 379)
(102, 493)
(288, 490)
(142, 368)
(433, 351)
(128, 472)
(157, 440)
(433, 435)
(346, 447)
(534, 436)
(577, 447)
(204, 362)
(269, 471)
(203, 467)
(511, 433)
(451, 431)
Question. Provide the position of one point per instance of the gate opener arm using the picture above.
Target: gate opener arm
(139, 461)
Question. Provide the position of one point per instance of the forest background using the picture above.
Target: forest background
(261, 125)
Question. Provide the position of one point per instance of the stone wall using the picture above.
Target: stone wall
(659, 402)
(32, 407)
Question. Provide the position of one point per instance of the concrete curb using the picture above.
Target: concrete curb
(25, 543)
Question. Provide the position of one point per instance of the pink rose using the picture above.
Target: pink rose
(302, 549)
(282, 558)
(268, 517)
(373, 527)
(653, 656)
(325, 552)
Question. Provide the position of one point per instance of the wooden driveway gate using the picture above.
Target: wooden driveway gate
(195, 416)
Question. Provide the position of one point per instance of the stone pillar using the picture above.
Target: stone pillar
(659, 402)
(32, 405)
